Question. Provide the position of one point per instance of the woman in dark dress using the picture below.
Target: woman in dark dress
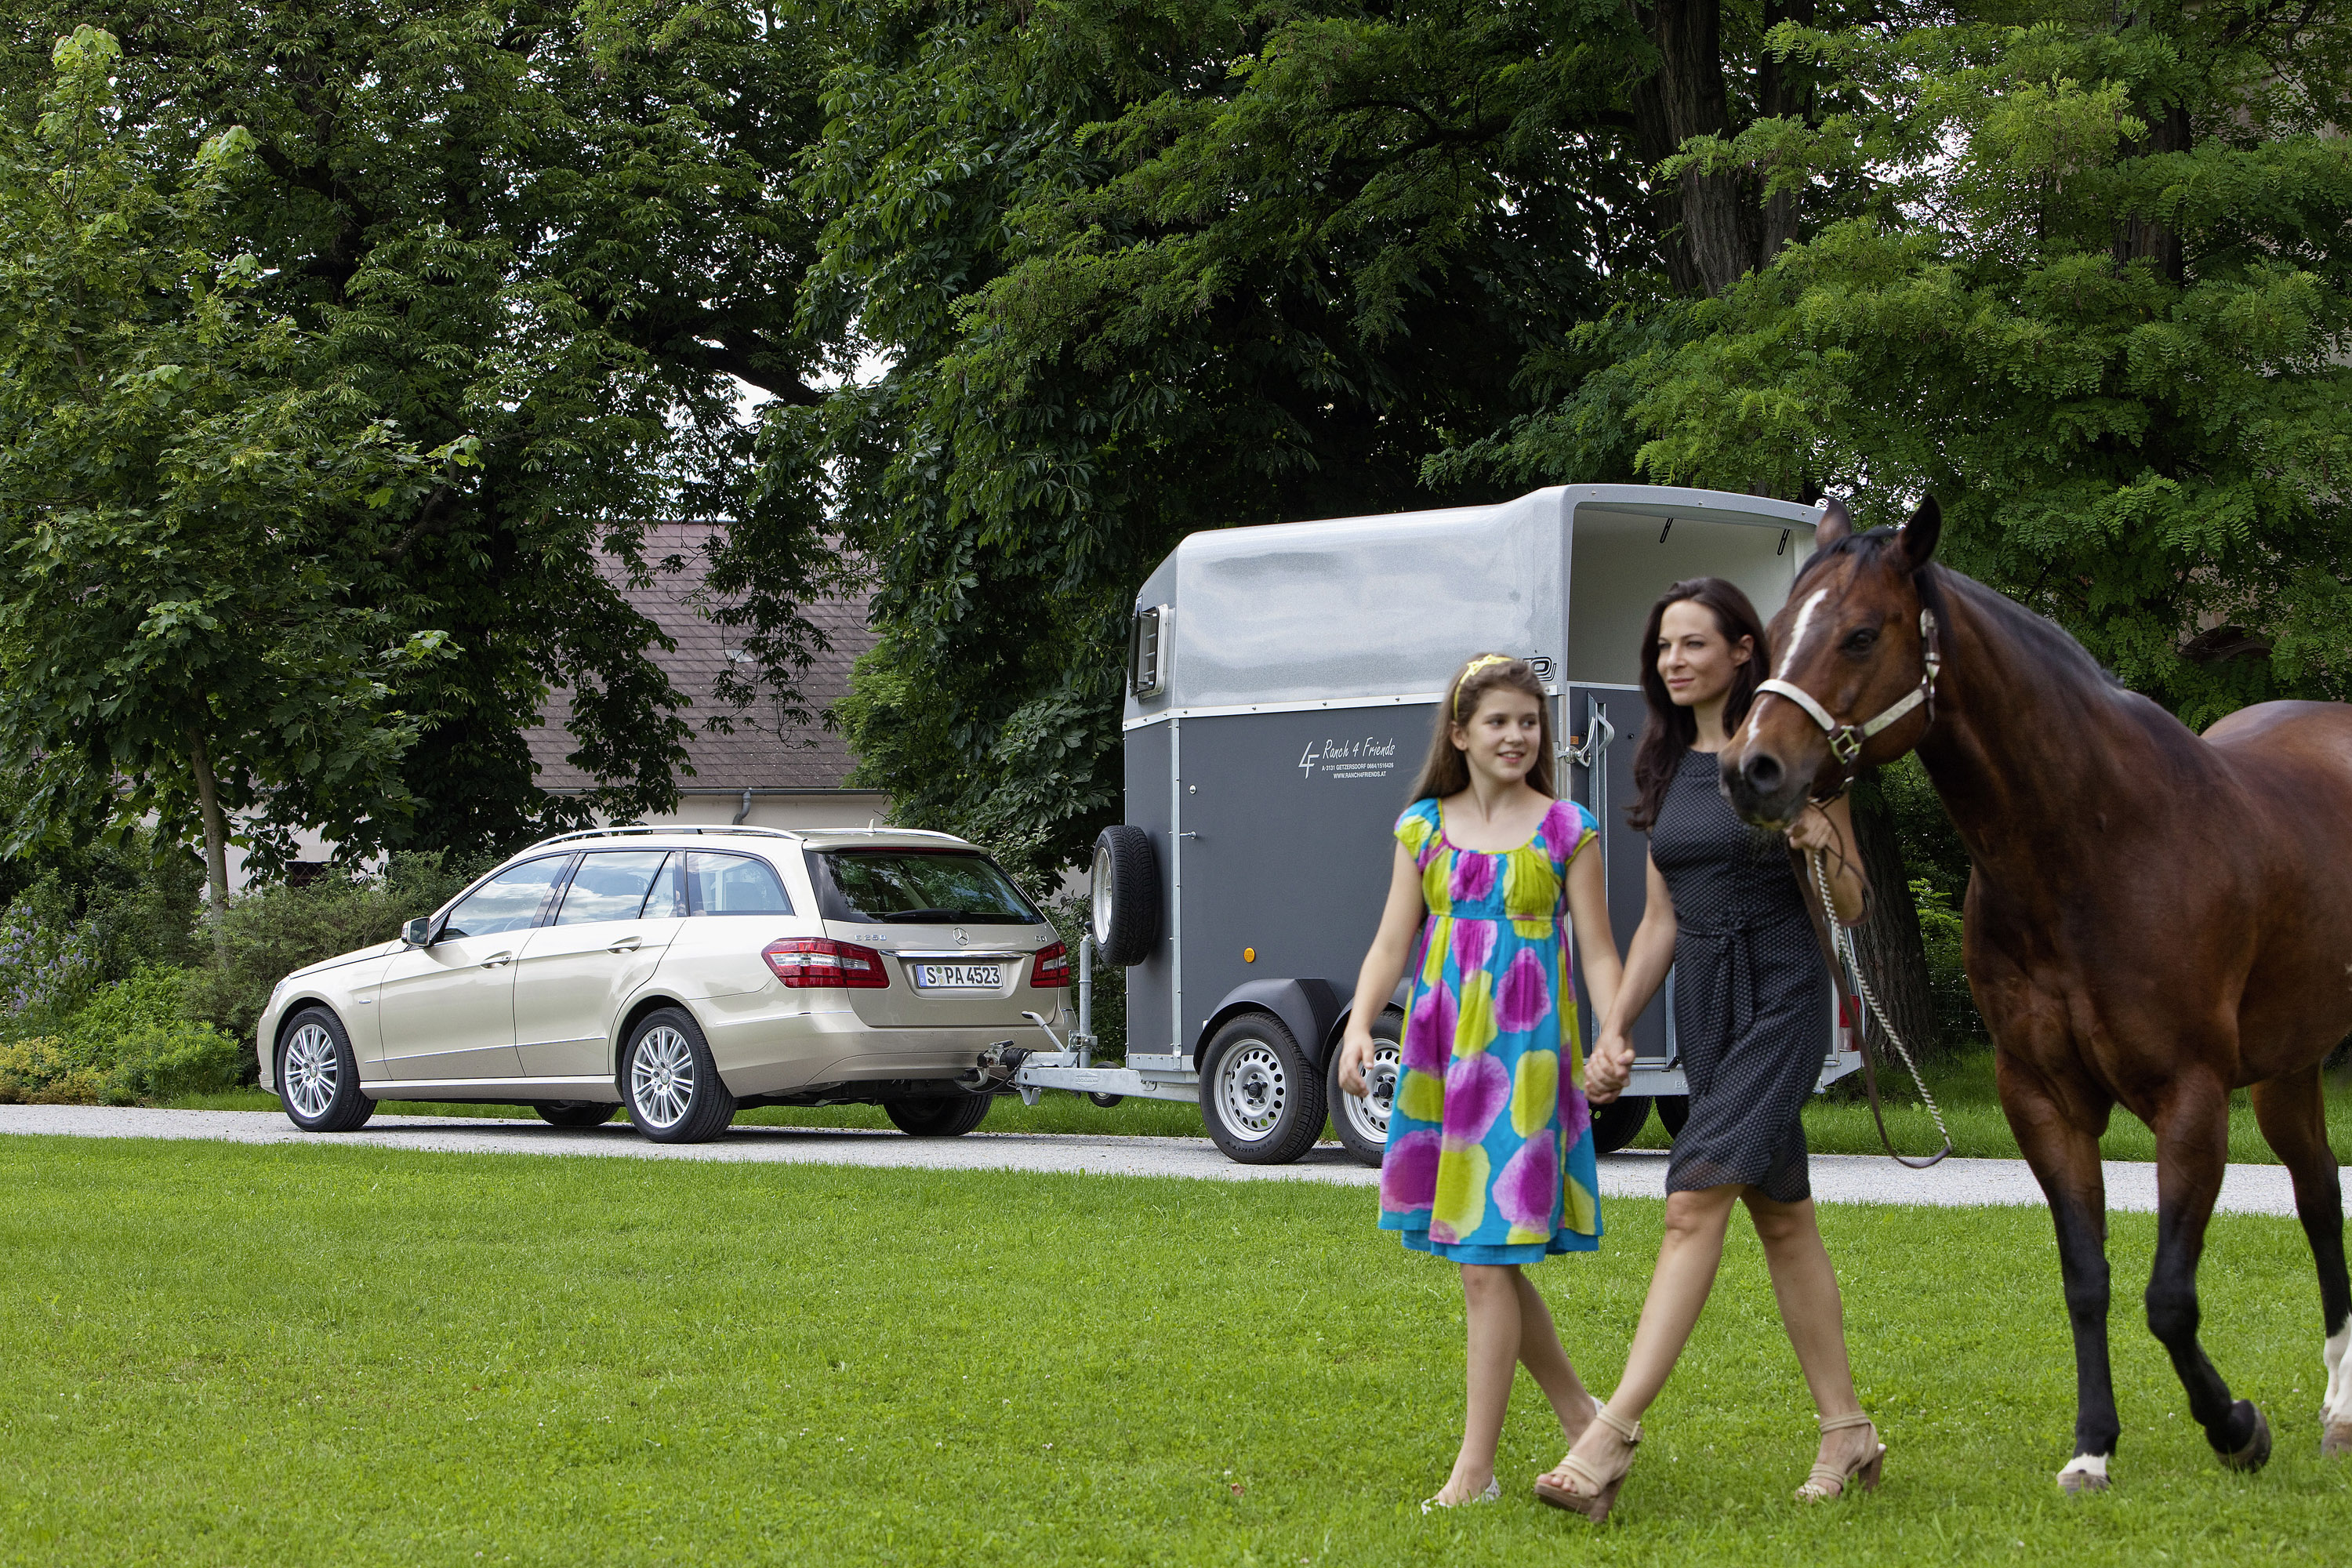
(1751, 1003)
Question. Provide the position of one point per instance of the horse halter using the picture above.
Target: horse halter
(1846, 741)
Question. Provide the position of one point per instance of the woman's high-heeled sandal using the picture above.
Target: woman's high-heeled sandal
(1596, 1493)
(1828, 1481)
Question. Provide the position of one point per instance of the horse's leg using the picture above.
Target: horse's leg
(2292, 1114)
(2064, 1153)
(2192, 1149)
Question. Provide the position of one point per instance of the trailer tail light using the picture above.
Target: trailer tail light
(815, 963)
(1051, 969)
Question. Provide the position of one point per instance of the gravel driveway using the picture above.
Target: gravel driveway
(1837, 1178)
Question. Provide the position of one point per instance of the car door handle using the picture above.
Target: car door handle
(626, 944)
(495, 959)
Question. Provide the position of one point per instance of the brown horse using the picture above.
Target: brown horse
(2154, 917)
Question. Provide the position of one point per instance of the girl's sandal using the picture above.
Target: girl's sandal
(1576, 1487)
(1494, 1493)
(1828, 1481)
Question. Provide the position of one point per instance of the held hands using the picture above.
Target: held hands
(1355, 1053)
(1609, 1069)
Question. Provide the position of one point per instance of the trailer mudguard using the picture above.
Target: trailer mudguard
(1397, 999)
(1310, 1008)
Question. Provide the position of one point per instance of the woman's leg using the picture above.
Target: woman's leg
(1490, 1293)
(1688, 1261)
(1810, 1310)
(1547, 1361)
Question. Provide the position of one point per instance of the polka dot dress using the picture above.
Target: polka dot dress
(1751, 993)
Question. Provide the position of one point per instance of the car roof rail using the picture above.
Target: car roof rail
(910, 832)
(637, 828)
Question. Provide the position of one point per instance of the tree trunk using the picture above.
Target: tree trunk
(216, 843)
(1894, 958)
(2142, 238)
(1684, 99)
(1779, 95)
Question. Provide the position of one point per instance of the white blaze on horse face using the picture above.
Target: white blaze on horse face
(2086, 1465)
(1788, 655)
(2338, 1405)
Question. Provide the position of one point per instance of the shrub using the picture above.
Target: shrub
(132, 1042)
(1948, 976)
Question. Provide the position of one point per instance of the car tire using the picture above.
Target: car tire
(937, 1116)
(1619, 1122)
(1123, 905)
(1362, 1124)
(669, 1082)
(317, 1076)
(1260, 1098)
(575, 1113)
(1673, 1109)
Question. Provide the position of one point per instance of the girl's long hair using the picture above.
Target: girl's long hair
(1447, 771)
(1670, 730)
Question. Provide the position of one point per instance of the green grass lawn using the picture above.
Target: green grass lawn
(224, 1354)
(1836, 1124)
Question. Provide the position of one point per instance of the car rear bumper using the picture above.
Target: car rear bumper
(782, 1053)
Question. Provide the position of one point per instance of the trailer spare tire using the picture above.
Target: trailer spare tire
(1125, 899)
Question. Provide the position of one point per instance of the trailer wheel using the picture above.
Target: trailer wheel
(1124, 904)
(1615, 1124)
(1260, 1098)
(1363, 1124)
(1673, 1109)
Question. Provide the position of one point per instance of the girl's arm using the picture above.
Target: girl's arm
(1391, 950)
(1596, 945)
(1648, 957)
(1830, 830)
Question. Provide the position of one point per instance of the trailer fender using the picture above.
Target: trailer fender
(1397, 999)
(1308, 1008)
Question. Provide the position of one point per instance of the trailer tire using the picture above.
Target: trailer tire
(1362, 1124)
(940, 1116)
(1617, 1123)
(1260, 1096)
(1673, 1109)
(1124, 904)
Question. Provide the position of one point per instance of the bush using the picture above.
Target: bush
(133, 1042)
(1948, 976)
(277, 928)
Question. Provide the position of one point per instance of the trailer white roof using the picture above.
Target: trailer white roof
(1365, 608)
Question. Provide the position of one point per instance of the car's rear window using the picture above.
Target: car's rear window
(925, 886)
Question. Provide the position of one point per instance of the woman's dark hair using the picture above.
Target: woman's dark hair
(1670, 730)
(1447, 771)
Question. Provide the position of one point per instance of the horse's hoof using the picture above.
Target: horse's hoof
(2257, 1451)
(2084, 1473)
(2337, 1441)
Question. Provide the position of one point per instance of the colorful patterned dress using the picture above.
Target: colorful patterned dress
(1490, 1156)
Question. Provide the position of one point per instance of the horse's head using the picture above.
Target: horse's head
(1852, 680)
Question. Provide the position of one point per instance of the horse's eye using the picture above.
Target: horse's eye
(1860, 641)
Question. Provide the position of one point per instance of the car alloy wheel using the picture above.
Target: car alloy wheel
(661, 1078)
(313, 1071)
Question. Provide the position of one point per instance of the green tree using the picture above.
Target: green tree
(181, 485)
(2101, 308)
(558, 240)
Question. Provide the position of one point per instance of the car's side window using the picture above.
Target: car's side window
(733, 885)
(508, 901)
(611, 885)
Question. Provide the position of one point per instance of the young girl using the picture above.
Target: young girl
(1490, 1160)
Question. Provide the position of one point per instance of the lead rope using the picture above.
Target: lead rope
(1841, 944)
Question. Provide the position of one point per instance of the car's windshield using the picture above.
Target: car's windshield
(924, 886)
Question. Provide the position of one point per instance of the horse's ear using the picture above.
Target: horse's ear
(1834, 524)
(1919, 536)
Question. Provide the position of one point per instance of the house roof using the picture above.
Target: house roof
(802, 757)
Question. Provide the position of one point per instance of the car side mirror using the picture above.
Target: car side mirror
(417, 932)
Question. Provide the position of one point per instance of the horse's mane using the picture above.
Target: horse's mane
(2050, 644)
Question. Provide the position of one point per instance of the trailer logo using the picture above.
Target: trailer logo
(1363, 757)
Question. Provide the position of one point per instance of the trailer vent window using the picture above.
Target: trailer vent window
(1143, 655)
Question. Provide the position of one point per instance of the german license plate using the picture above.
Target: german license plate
(960, 976)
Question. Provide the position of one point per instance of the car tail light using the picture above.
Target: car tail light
(1050, 968)
(809, 963)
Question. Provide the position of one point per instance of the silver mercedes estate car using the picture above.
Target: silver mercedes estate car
(685, 974)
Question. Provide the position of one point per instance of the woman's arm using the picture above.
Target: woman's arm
(1391, 950)
(1596, 945)
(1648, 957)
(1830, 830)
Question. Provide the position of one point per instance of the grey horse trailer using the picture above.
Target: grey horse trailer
(1282, 684)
